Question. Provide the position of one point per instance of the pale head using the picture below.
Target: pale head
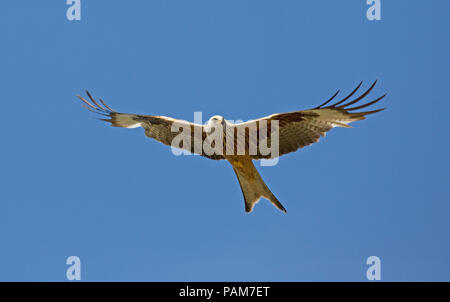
(215, 121)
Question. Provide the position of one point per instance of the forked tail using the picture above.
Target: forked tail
(252, 185)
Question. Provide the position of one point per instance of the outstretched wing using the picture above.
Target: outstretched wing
(180, 134)
(302, 128)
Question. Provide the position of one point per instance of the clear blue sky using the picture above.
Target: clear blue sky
(132, 211)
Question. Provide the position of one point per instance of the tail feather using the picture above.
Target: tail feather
(253, 186)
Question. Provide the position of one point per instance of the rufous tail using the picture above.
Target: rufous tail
(252, 185)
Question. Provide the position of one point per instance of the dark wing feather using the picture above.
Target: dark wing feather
(161, 128)
(302, 128)
(296, 129)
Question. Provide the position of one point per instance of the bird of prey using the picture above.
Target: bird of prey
(288, 132)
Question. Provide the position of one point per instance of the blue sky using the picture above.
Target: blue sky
(132, 211)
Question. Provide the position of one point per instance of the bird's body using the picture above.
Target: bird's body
(241, 143)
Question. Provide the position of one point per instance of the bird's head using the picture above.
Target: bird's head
(215, 122)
